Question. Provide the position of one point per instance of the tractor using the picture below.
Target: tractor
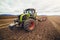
(27, 20)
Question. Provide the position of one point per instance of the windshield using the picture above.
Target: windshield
(29, 11)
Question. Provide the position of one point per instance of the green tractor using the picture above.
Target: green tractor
(26, 20)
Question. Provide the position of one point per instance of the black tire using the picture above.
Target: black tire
(29, 24)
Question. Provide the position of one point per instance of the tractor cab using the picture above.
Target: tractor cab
(30, 11)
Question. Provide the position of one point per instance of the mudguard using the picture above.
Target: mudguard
(28, 15)
(35, 14)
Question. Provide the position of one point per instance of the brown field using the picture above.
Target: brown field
(55, 20)
(45, 30)
(7, 17)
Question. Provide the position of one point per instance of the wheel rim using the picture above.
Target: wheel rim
(32, 25)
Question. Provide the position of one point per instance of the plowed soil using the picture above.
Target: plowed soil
(44, 30)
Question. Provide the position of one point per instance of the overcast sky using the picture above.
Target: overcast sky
(43, 7)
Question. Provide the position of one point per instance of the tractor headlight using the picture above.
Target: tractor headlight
(16, 23)
(12, 24)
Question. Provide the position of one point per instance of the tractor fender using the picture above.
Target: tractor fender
(28, 15)
(35, 15)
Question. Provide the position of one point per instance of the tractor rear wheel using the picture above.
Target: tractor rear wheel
(29, 24)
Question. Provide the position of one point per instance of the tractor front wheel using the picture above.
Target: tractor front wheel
(29, 24)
